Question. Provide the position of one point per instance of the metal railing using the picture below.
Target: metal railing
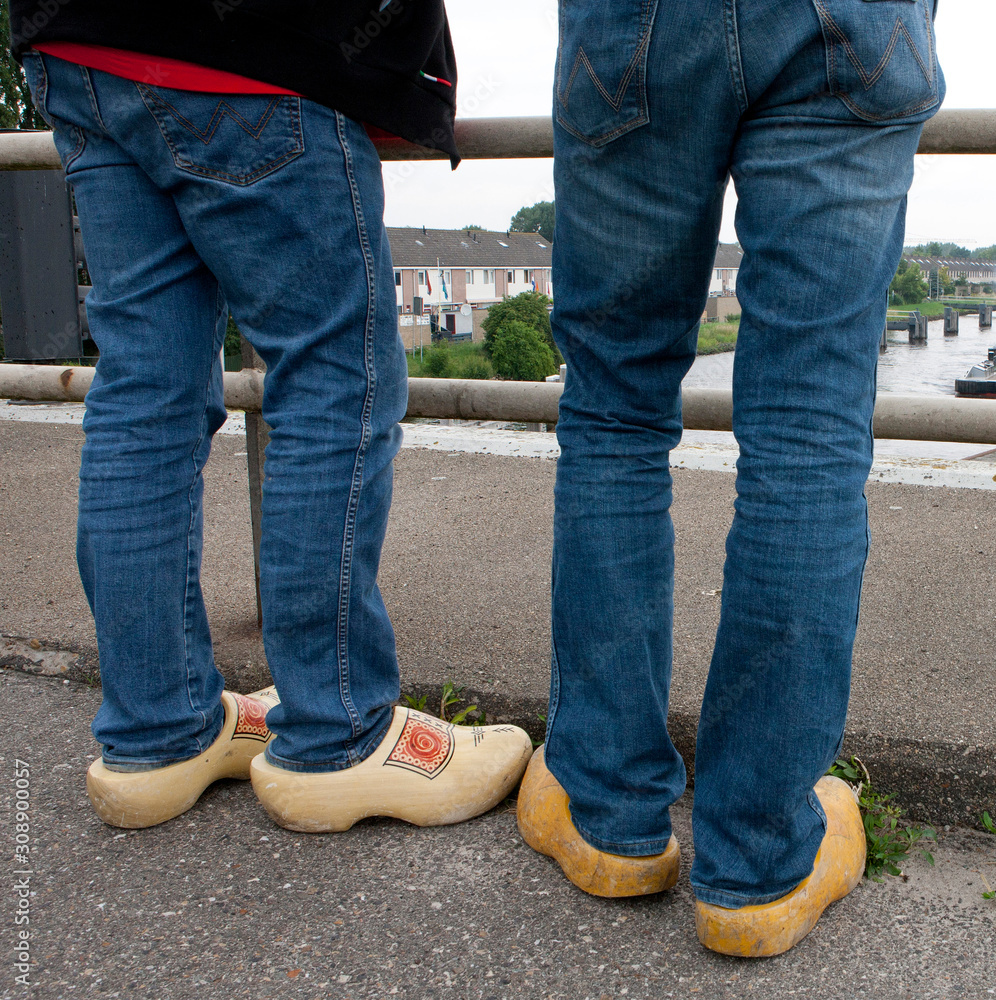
(928, 418)
(915, 418)
(532, 138)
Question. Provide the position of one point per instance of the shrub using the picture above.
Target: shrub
(478, 367)
(908, 286)
(519, 352)
(528, 307)
(438, 363)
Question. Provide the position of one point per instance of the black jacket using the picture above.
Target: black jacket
(361, 57)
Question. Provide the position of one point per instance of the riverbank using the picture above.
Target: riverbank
(935, 310)
(715, 338)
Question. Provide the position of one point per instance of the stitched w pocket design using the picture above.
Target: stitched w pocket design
(233, 138)
(601, 87)
(881, 57)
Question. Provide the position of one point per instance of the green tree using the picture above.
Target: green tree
(519, 352)
(17, 110)
(536, 218)
(908, 286)
(470, 229)
(936, 249)
(986, 253)
(531, 308)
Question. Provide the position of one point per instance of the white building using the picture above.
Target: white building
(447, 268)
(724, 271)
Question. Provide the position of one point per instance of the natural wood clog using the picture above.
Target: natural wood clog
(772, 928)
(425, 771)
(137, 799)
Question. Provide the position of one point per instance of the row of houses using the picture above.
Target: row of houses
(447, 268)
(448, 278)
(975, 272)
(452, 275)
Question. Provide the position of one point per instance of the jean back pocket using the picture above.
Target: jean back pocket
(601, 85)
(233, 138)
(881, 57)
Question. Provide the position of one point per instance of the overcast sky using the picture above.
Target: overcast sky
(506, 54)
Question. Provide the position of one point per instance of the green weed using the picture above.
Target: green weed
(538, 743)
(987, 822)
(417, 703)
(888, 841)
(451, 697)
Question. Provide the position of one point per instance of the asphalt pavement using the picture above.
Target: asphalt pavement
(222, 904)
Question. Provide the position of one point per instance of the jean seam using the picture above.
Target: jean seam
(612, 847)
(221, 304)
(554, 687)
(41, 103)
(353, 757)
(41, 98)
(738, 901)
(91, 95)
(356, 485)
(733, 55)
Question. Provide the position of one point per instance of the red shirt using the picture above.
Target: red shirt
(158, 71)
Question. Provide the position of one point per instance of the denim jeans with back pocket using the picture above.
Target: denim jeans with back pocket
(814, 108)
(270, 206)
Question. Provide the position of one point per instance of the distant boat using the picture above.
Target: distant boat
(979, 380)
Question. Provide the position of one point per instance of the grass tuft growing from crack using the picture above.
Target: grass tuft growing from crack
(888, 840)
(469, 716)
(987, 822)
(417, 703)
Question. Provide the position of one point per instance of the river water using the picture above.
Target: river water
(925, 368)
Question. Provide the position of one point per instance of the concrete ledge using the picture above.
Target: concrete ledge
(935, 782)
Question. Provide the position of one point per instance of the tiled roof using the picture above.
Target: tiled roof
(460, 248)
(483, 248)
(728, 255)
(953, 264)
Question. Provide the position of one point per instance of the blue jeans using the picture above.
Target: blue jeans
(271, 206)
(814, 108)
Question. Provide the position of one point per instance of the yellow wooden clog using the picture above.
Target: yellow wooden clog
(546, 826)
(772, 928)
